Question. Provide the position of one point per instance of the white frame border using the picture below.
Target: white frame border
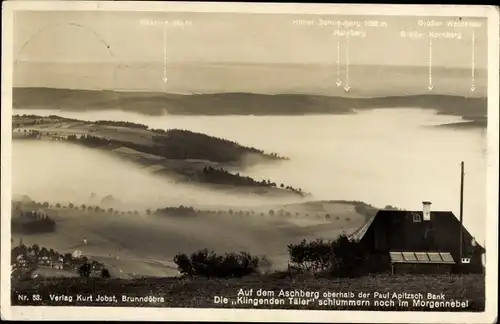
(257, 315)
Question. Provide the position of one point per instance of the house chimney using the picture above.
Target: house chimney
(426, 211)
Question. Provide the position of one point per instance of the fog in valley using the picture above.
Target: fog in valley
(59, 172)
(68, 173)
(382, 157)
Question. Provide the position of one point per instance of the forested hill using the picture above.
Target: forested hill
(472, 108)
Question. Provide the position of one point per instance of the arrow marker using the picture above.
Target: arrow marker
(430, 65)
(473, 63)
(347, 87)
(339, 82)
(165, 79)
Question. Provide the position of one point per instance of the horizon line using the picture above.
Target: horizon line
(243, 63)
(253, 93)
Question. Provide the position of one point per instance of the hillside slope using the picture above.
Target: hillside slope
(133, 244)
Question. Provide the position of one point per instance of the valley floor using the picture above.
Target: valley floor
(464, 292)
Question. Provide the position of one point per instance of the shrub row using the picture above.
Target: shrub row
(208, 264)
(338, 258)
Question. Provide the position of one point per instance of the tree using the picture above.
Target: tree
(184, 264)
(44, 251)
(45, 204)
(67, 257)
(84, 270)
(110, 210)
(71, 205)
(83, 206)
(35, 248)
(105, 273)
(148, 211)
(58, 205)
(282, 186)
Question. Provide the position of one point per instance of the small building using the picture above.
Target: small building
(419, 241)
(58, 265)
(21, 262)
(44, 261)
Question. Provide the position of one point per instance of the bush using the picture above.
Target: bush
(84, 270)
(184, 264)
(311, 256)
(348, 258)
(340, 257)
(209, 264)
(105, 273)
(176, 211)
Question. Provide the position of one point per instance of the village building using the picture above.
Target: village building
(21, 262)
(44, 261)
(57, 263)
(419, 242)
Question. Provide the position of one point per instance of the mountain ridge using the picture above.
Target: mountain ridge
(238, 103)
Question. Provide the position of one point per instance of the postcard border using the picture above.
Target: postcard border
(201, 314)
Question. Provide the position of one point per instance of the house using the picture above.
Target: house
(58, 264)
(21, 262)
(418, 241)
(44, 261)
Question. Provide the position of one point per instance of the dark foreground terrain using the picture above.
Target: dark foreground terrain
(465, 291)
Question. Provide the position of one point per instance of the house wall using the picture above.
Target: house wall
(421, 268)
(475, 265)
(380, 236)
(409, 234)
(440, 234)
(447, 239)
(377, 263)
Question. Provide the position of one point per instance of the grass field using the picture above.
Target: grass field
(201, 293)
(129, 245)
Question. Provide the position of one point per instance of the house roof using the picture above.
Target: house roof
(360, 232)
(441, 219)
(422, 257)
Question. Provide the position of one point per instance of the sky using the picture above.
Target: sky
(119, 37)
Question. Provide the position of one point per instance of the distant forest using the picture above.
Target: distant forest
(221, 176)
(32, 223)
(471, 108)
(183, 144)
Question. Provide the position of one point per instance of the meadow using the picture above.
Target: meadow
(200, 293)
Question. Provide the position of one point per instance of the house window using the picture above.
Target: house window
(416, 218)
